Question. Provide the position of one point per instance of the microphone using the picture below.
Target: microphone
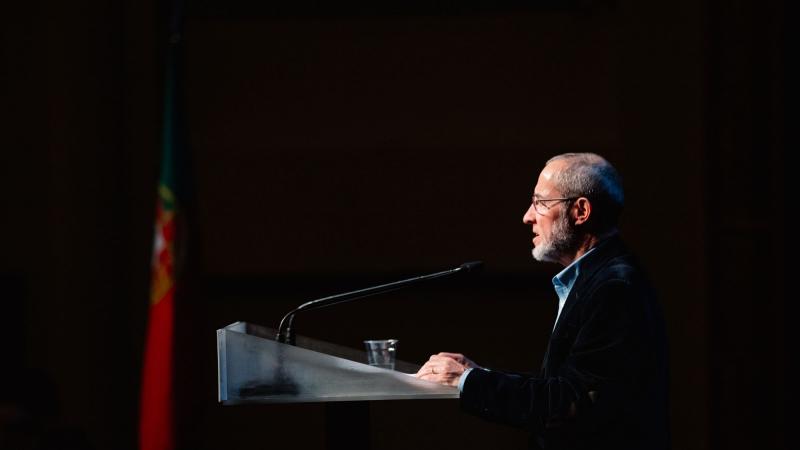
(286, 334)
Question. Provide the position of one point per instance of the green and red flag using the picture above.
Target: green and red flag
(156, 424)
(157, 407)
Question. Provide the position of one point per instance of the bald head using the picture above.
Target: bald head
(589, 175)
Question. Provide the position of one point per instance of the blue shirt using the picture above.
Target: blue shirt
(562, 282)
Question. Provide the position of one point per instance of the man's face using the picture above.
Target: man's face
(553, 232)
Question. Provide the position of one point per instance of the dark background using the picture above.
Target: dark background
(335, 148)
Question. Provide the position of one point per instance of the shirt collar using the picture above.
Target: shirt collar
(564, 280)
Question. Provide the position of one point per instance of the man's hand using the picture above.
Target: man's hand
(445, 368)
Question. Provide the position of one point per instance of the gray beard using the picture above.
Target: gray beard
(562, 241)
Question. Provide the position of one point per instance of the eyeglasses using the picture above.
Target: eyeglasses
(541, 204)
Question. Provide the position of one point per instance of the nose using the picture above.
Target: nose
(530, 215)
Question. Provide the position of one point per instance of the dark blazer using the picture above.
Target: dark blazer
(603, 383)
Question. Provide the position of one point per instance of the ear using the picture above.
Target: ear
(581, 210)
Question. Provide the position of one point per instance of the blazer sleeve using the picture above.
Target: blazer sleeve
(605, 356)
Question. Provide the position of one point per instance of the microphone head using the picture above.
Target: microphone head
(472, 266)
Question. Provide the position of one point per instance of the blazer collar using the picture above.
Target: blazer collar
(605, 250)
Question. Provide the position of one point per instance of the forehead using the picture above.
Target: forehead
(546, 185)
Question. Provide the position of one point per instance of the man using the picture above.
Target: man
(603, 382)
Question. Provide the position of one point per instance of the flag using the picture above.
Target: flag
(157, 421)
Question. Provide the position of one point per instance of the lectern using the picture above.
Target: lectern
(254, 368)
